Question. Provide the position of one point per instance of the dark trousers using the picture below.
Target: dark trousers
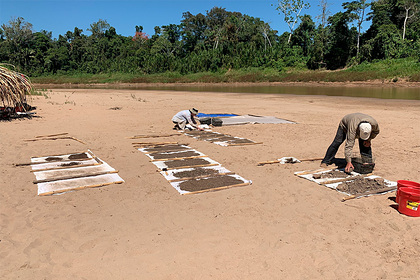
(338, 140)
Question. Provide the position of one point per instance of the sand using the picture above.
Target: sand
(280, 227)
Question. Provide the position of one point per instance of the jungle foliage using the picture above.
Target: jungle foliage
(219, 41)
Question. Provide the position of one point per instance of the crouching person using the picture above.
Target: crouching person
(182, 118)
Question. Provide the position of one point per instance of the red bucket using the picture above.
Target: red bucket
(409, 201)
(405, 184)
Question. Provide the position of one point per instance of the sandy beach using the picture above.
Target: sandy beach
(279, 227)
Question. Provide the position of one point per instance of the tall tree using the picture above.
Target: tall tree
(18, 34)
(357, 10)
(291, 10)
(411, 9)
(339, 41)
(304, 34)
(193, 30)
(320, 39)
(98, 28)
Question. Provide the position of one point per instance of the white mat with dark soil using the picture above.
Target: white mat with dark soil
(354, 184)
(59, 174)
(192, 174)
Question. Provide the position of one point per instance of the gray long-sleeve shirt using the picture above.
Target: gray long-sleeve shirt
(184, 115)
(350, 125)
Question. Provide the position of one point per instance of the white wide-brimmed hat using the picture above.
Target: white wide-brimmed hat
(365, 130)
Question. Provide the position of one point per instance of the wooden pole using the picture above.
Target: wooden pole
(378, 191)
(268, 162)
(244, 144)
(316, 170)
(218, 188)
(153, 144)
(311, 159)
(51, 135)
(55, 138)
(74, 177)
(82, 187)
(153, 136)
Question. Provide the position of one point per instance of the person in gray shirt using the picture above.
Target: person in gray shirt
(352, 126)
(182, 118)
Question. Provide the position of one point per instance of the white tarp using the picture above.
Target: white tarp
(48, 188)
(75, 172)
(252, 119)
(310, 176)
(63, 176)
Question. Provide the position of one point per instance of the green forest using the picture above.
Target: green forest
(221, 40)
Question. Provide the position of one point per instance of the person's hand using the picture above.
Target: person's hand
(366, 143)
(349, 167)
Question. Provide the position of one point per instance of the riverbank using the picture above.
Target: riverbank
(280, 226)
(371, 83)
(387, 72)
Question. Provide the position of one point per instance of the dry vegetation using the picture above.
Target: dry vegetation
(14, 87)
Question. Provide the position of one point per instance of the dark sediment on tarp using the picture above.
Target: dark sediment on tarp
(70, 164)
(78, 156)
(175, 155)
(53, 159)
(194, 185)
(196, 172)
(362, 185)
(334, 174)
(165, 148)
(186, 162)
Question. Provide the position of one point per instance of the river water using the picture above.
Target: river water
(407, 93)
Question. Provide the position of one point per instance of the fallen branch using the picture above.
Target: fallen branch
(153, 136)
(244, 144)
(51, 135)
(56, 138)
(152, 144)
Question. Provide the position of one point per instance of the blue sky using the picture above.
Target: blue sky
(60, 16)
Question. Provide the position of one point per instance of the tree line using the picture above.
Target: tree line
(221, 39)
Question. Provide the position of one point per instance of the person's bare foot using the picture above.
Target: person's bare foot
(324, 165)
